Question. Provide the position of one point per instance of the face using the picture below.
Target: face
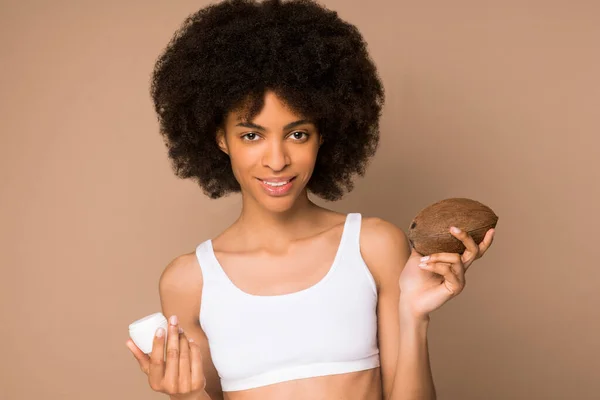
(272, 156)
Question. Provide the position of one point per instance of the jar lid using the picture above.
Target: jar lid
(149, 321)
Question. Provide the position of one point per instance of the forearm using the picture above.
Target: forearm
(413, 379)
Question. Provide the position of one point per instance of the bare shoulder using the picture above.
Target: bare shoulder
(182, 274)
(180, 288)
(384, 247)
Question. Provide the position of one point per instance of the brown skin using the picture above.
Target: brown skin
(270, 232)
(181, 286)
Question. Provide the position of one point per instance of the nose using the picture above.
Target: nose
(276, 155)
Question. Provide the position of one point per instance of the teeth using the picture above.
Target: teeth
(276, 183)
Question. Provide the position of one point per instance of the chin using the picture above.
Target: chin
(278, 204)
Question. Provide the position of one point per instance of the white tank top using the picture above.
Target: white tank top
(329, 328)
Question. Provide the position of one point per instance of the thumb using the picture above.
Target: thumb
(138, 354)
(434, 298)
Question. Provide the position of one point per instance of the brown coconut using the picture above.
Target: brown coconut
(429, 232)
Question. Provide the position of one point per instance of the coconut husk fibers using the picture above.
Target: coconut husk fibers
(429, 232)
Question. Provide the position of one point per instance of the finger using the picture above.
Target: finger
(197, 370)
(453, 282)
(185, 381)
(415, 253)
(471, 252)
(157, 362)
(438, 295)
(142, 359)
(172, 363)
(451, 258)
(486, 242)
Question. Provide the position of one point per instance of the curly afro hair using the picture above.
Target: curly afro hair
(227, 55)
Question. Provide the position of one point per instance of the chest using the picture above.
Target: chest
(299, 268)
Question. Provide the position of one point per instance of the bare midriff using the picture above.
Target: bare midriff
(360, 385)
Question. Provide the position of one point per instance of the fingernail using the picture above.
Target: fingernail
(180, 330)
(173, 320)
(425, 258)
(160, 332)
(455, 229)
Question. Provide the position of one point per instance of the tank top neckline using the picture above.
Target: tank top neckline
(309, 289)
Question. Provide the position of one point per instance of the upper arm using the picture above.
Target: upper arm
(386, 249)
(180, 289)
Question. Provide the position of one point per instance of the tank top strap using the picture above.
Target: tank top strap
(211, 270)
(350, 237)
(352, 254)
(352, 230)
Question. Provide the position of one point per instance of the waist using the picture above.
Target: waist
(302, 371)
(359, 385)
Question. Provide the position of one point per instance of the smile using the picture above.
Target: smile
(277, 187)
(276, 183)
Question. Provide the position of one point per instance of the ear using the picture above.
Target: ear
(221, 142)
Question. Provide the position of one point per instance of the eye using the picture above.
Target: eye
(298, 135)
(249, 137)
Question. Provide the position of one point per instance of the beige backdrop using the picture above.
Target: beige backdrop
(497, 102)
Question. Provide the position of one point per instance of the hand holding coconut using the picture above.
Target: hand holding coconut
(435, 270)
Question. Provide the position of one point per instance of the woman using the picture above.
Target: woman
(293, 301)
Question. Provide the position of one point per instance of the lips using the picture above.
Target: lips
(276, 183)
(278, 187)
(277, 179)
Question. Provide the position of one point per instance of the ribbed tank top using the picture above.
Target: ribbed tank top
(329, 328)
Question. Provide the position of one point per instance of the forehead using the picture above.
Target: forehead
(274, 111)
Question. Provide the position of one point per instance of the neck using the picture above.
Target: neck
(261, 227)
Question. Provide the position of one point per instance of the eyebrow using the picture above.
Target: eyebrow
(288, 126)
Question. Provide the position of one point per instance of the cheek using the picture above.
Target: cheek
(307, 158)
(244, 158)
(241, 171)
(240, 164)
